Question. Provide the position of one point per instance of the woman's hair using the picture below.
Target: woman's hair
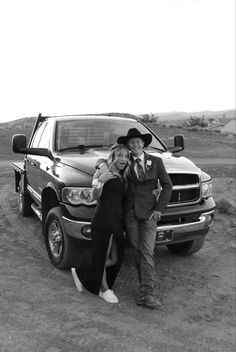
(114, 150)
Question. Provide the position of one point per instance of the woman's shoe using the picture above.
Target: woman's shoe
(109, 296)
(77, 281)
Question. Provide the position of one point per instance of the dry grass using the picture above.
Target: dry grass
(225, 206)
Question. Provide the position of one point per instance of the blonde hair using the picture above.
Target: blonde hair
(114, 150)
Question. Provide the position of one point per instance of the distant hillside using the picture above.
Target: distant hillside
(25, 122)
(169, 116)
(28, 122)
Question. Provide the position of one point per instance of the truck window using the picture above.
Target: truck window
(94, 132)
(44, 141)
(37, 136)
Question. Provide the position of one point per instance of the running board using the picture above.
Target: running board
(37, 210)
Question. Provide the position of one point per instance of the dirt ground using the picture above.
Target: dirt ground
(41, 311)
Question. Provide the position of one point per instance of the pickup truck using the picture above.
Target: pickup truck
(54, 181)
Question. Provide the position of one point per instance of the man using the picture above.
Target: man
(143, 209)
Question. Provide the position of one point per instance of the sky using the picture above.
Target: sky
(133, 56)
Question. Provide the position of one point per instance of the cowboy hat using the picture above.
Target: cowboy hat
(134, 133)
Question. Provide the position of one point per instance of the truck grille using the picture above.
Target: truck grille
(186, 189)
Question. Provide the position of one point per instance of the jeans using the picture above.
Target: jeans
(142, 236)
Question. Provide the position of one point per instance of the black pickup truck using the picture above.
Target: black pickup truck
(54, 181)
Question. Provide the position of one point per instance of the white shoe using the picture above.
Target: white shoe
(77, 281)
(109, 296)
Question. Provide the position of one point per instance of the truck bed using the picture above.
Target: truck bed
(19, 167)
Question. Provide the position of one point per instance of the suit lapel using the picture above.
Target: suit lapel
(146, 169)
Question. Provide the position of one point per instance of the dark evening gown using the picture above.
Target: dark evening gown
(107, 220)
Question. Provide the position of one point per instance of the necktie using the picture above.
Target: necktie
(140, 170)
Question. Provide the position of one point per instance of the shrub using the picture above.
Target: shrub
(225, 206)
(198, 121)
(149, 118)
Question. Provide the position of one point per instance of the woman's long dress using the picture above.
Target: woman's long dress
(107, 220)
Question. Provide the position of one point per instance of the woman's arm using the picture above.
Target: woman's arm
(97, 185)
(100, 177)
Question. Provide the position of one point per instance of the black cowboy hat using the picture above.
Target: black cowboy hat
(132, 133)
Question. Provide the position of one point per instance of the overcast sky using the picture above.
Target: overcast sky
(135, 56)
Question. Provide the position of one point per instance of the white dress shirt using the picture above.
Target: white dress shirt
(141, 157)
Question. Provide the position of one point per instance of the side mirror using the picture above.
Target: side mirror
(19, 146)
(178, 144)
(18, 141)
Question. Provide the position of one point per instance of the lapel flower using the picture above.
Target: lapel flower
(148, 164)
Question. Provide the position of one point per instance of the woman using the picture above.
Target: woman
(107, 228)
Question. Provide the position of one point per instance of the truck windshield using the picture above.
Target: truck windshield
(97, 133)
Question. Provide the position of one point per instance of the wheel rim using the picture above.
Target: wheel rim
(55, 239)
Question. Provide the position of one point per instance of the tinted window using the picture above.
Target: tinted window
(102, 132)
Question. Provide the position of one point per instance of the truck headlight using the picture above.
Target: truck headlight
(78, 195)
(206, 183)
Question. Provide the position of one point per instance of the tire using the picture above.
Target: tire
(24, 203)
(187, 248)
(60, 247)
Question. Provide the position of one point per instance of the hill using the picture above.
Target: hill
(222, 114)
(28, 122)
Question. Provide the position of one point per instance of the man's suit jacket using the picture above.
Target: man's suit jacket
(141, 194)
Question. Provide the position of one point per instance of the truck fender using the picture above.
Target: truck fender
(49, 200)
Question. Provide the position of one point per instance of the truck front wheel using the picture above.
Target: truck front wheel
(187, 248)
(60, 247)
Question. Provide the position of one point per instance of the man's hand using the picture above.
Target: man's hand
(156, 215)
(106, 176)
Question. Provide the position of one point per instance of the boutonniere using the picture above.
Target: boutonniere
(148, 164)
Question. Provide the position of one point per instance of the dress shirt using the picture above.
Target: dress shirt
(141, 157)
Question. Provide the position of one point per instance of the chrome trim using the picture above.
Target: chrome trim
(194, 185)
(182, 204)
(73, 228)
(172, 171)
(192, 226)
(37, 211)
(34, 193)
(76, 222)
(178, 188)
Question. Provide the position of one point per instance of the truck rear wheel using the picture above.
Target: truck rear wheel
(187, 248)
(60, 247)
(24, 203)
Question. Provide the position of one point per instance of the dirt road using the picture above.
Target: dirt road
(41, 311)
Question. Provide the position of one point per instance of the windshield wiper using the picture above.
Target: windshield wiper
(82, 147)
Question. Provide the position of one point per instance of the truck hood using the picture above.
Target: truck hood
(175, 163)
(86, 162)
(83, 161)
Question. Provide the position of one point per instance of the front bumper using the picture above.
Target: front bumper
(186, 231)
(81, 230)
